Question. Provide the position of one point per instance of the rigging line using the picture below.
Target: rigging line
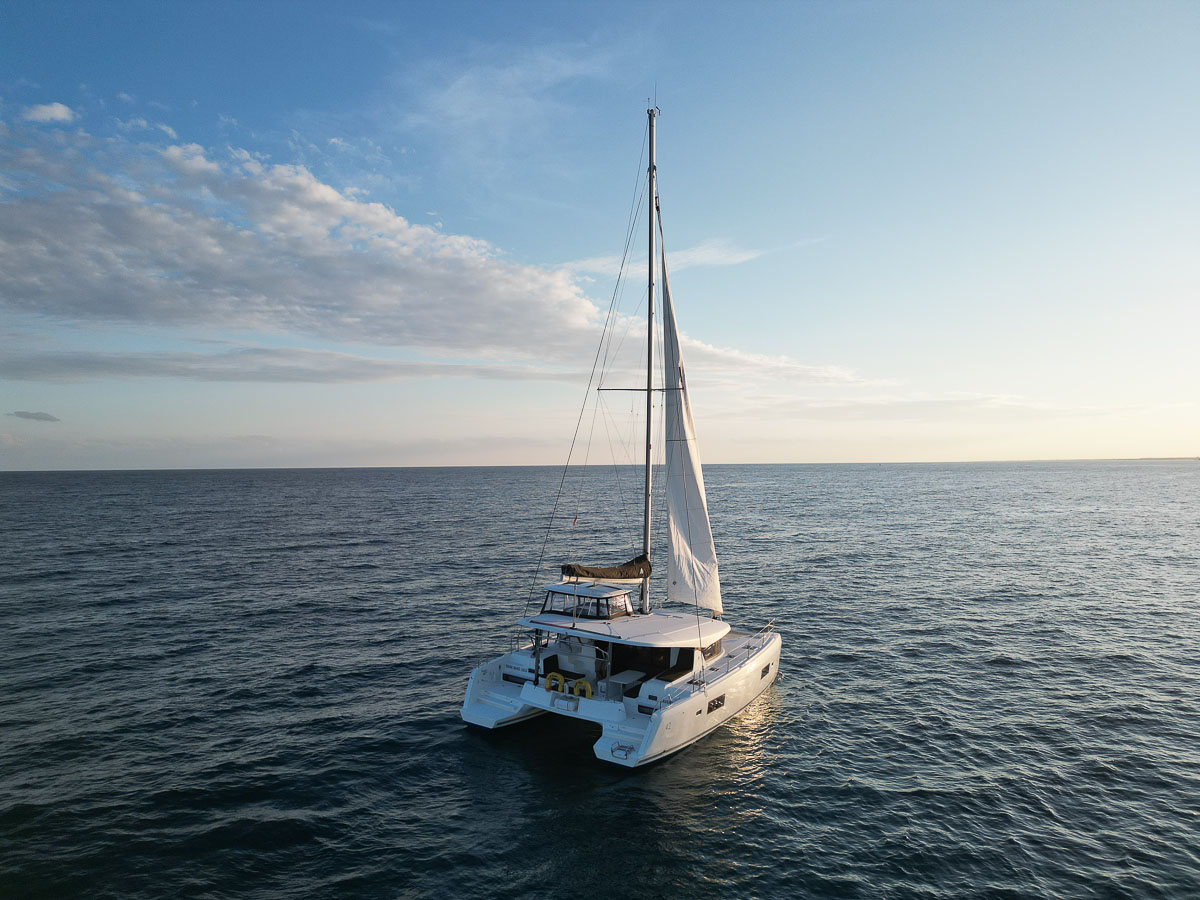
(586, 456)
(637, 180)
(610, 352)
(629, 521)
(618, 292)
(591, 377)
(617, 473)
(635, 215)
(628, 326)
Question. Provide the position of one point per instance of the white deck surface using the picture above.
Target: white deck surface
(658, 629)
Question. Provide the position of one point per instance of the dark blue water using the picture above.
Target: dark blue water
(246, 684)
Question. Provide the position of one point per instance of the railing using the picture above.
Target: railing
(521, 640)
(753, 644)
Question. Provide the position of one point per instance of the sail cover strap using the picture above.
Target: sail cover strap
(638, 567)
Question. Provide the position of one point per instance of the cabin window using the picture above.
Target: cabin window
(619, 606)
(716, 704)
(765, 672)
(712, 650)
(587, 607)
(681, 664)
(647, 660)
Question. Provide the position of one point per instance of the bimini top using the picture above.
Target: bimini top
(656, 629)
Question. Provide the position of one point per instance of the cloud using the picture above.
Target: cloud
(496, 98)
(716, 362)
(119, 231)
(35, 416)
(254, 364)
(125, 98)
(486, 107)
(708, 253)
(139, 124)
(55, 450)
(912, 406)
(48, 112)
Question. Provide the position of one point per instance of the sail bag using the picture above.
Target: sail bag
(638, 567)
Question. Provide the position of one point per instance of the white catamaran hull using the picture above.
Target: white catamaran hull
(636, 730)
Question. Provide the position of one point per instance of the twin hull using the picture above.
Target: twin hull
(634, 733)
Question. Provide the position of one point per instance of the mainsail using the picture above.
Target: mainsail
(692, 571)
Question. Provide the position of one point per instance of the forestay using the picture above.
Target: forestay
(692, 571)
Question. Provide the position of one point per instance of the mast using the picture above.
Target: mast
(652, 174)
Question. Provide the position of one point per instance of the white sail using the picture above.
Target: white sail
(692, 572)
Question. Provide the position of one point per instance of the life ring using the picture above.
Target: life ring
(553, 677)
(582, 687)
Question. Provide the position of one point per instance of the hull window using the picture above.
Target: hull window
(716, 704)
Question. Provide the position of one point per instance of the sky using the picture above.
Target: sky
(312, 234)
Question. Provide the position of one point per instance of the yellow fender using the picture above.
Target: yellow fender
(582, 687)
(552, 678)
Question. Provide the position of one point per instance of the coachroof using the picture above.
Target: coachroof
(656, 629)
(589, 589)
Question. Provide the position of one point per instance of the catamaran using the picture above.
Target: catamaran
(655, 679)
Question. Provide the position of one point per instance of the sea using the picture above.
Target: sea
(247, 683)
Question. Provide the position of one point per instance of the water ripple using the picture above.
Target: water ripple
(246, 684)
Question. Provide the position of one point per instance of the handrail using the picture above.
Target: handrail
(755, 642)
(520, 640)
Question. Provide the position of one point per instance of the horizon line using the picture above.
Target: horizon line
(929, 462)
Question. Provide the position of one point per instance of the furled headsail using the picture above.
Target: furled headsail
(638, 567)
(692, 567)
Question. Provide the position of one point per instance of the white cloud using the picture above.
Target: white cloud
(189, 159)
(139, 124)
(252, 364)
(724, 362)
(143, 451)
(712, 252)
(120, 231)
(913, 406)
(494, 98)
(488, 106)
(114, 231)
(49, 112)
